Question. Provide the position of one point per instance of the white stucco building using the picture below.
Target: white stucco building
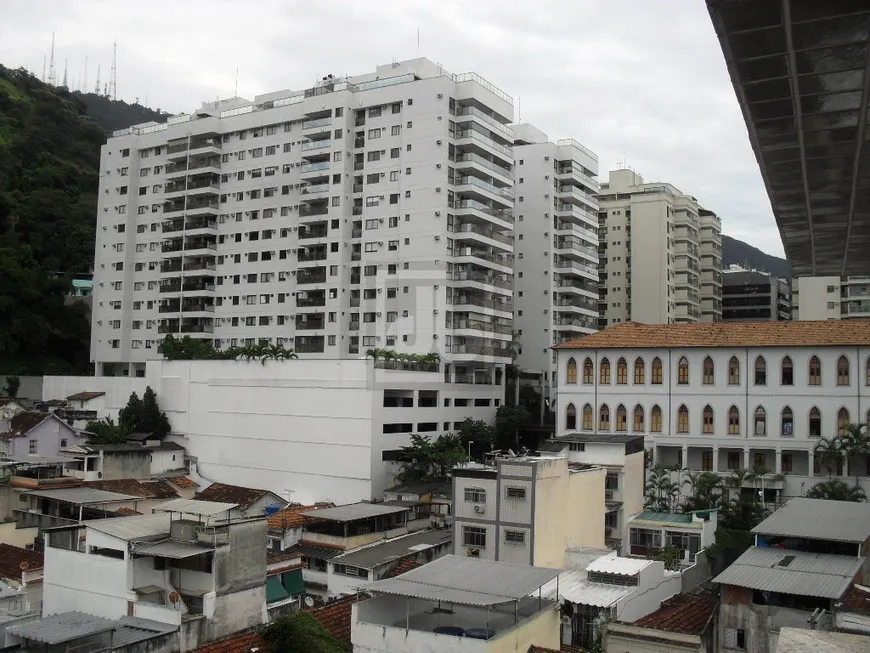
(830, 298)
(556, 247)
(661, 254)
(719, 397)
(373, 211)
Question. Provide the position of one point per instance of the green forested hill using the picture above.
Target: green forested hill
(49, 154)
(117, 114)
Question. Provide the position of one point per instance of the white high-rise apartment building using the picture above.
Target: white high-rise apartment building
(661, 254)
(556, 229)
(365, 212)
(830, 298)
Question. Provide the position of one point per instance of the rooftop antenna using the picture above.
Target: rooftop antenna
(97, 87)
(113, 76)
(65, 62)
(51, 78)
(236, 89)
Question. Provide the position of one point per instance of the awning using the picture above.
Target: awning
(275, 590)
(171, 549)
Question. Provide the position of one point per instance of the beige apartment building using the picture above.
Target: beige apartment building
(660, 254)
(830, 298)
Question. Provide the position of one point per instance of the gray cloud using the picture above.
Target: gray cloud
(634, 76)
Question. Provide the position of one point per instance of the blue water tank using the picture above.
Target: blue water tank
(271, 509)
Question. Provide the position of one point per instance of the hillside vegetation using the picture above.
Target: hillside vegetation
(746, 256)
(117, 114)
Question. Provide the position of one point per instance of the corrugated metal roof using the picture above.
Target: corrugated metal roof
(84, 496)
(467, 581)
(194, 507)
(389, 550)
(135, 629)
(616, 565)
(133, 528)
(576, 588)
(314, 551)
(355, 511)
(792, 572)
(819, 519)
(63, 627)
(171, 549)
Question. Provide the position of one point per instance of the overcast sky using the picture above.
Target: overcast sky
(641, 81)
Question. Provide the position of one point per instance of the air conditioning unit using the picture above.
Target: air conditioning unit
(480, 509)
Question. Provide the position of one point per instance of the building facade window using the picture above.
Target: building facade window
(706, 461)
(621, 372)
(587, 417)
(760, 421)
(640, 371)
(733, 421)
(588, 371)
(842, 371)
(815, 371)
(571, 418)
(734, 371)
(604, 372)
(815, 422)
(786, 372)
(474, 536)
(620, 417)
(475, 495)
(683, 371)
(655, 419)
(760, 371)
(638, 419)
(571, 372)
(842, 421)
(604, 418)
(709, 371)
(656, 371)
(682, 419)
(707, 422)
(787, 423)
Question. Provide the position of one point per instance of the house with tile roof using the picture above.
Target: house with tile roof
(21, 573)
(725, 396)
(249, 501)
(31, 433)
(285, 525)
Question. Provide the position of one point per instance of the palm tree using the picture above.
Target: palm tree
(855, 442)
(837, 490)
(706, 490)
(830, 453)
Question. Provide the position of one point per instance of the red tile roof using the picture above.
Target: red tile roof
(84, 396)
(127, 512)
(565, 649)
(235, 644)
(15, 560)
(151, 489)
(335, 617)
(183, 482)
(857, 600)
(291, 516)
(22, 423)
(243, 497)
(404, 566)
(279, 556)
(683, 613)
(820, 333)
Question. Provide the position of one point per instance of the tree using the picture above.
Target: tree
(425, 460)
(705, 490)
(508, 420)
(300, 633)
(13, 384)
(837, 490)
(661, 493)
(479, 434)
(151, 418)
(855, 442)
(132, 413)
(107, 431)
(829, 453)
(138, 416)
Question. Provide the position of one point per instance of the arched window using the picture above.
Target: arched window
(639, 371)
(657, 371)
(587, 417)
(655, 419)
(815, 371)
(842, 421)
(760, 421)
(638, 419)
(588, 371)
(604, 418)
(787, 429)
(786, 373)
(604, 371)
(815, 422)
(709, 371)
(734, 371)
(571, 372)
(707, 424)
(760, 371)
(621, 372)
(733, 421)
(570, 418)
(683, 371)
(842, 371)
(620, 418)
(682, 419)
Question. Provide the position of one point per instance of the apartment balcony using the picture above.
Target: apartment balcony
(309, 344)
(314, 172)
(472, 256)
(316, 150)
(197, 287)
(313, 211)
(577, 213)
(191, 307)
(196, 327)
(310, 300)
(580, 231)
(194, 167)
(573, 173)
(200, 226)
(567, 266)
(465, 114)
(198, 246)
(472, 327)
(469, 187)
(571, 304)
(575, 247)
(310, 322)
(316, 128)
(484, 236)
(471, 139)
(582, 324)
(181, 149)
(191, 188)
(572, 194)
(467, 302)
(308, 257)
(205, 267)
(467, 162)
(481, 280)
(311, 275)
(209, 206)
(171, 266)
(472, 349)
(313, 192)
(482, 211)
(306, 233)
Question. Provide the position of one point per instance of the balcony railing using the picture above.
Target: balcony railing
(478, 325)
(471, 300)
(498, 259)
(170, 266)
(311, 256)
(485, 140)
(306, 325)
(319, 122)
(483, 208)
(317, 275)
(476, 158)
(305, 346)
(315, 145)
(197, 328)
(315, 167)
(314, 188)
(470, 180)
(304, 302)
(312, 233)
(483, 231)
(474, 111)
(479, 350)
(307, 211)
(482, 277)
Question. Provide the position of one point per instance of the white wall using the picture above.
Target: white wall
(74, 580)
(655, 585)
(816, 298)
(117, 389)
